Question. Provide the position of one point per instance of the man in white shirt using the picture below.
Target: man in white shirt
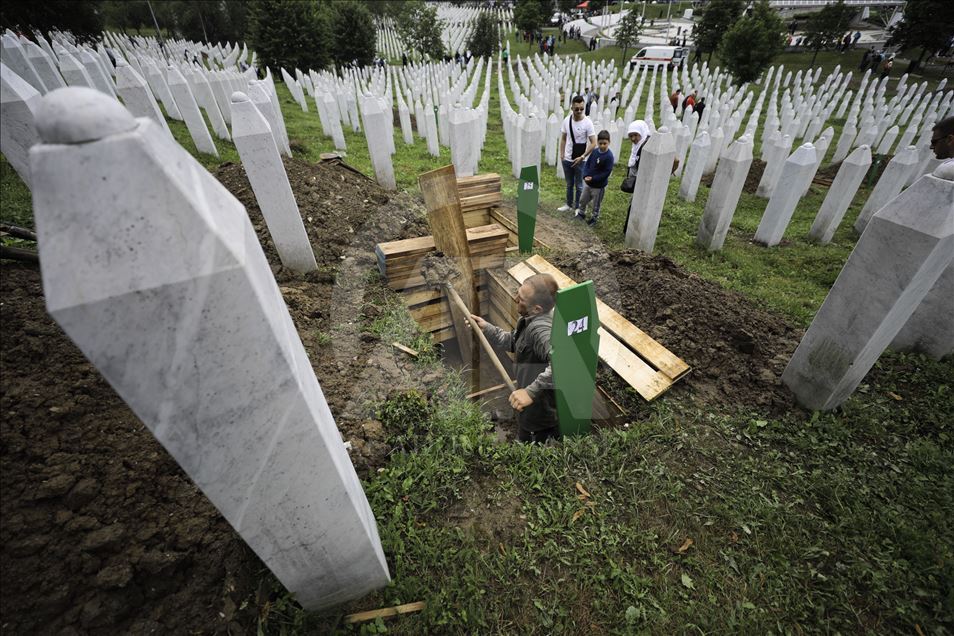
(577, 140)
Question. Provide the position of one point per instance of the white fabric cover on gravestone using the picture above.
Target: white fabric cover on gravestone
(154, 270)
(266, 173)
(18, 104)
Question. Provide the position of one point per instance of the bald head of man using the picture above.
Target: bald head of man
(536, 295)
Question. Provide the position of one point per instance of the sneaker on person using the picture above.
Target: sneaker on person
(580, 214)
(592, 221)
(563, 208)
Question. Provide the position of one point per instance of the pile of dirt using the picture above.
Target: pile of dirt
(737, 351)
(751, 180)
(101, 530)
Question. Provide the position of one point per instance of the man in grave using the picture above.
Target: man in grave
(534, 399)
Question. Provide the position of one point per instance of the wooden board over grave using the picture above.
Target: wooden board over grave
(641, 361)
(439, 188)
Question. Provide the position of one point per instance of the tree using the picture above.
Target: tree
(750, 45)
(928, 24)
(718, 17)
(354, 34)
(565, 6)
(826, 27)
(627, 33)
(484, 40)
(527, 16)
(385, 8)
(289, 34)
(418, 27)
(82, 18)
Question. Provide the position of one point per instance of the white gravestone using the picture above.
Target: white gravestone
(153, 269)
(137, 97)
(890, 183)
(843, 189)
(375, 130)
(266, 173)
(44, 66)
(796, 172)
(74, 72)
(930, 329)
(724, 194)
(652, 183)
(897, 261)
(698, 155)
(190, 112)
(15, 57)
(18, 104)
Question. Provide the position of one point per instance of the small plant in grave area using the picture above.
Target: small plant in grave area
(322, 338)
(405, 415)
(395, 324)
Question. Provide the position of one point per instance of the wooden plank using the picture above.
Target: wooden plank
(487, 391)
(416, 280)
(407, 350)
(386, 612)
(484, 248)
(439, 188)
(644, 345)
(648, 382)
(424, 244)
(425, 295)
(497, 217)
(421, 312)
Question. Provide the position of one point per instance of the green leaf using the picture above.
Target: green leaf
(687, 581)
(631, 614)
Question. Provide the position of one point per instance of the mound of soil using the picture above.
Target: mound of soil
(751, 180)
(737, 351)
(100, 530)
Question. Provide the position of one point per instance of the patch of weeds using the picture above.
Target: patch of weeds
(323, 338)
(405, 417)
(394, 324)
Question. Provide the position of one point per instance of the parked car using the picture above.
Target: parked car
(671, 56)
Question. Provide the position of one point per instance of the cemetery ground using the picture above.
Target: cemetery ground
(720, 506)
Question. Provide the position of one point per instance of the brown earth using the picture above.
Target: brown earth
(101, 532)
(751, 180)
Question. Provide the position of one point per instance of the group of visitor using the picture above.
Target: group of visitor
(873, 59)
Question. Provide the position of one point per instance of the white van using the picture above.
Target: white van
(672, 56)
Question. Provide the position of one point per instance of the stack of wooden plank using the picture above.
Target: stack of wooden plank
(479, 196)
(400, 263)
(642, 362)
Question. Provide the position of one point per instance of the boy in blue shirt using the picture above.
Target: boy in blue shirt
(596, 172)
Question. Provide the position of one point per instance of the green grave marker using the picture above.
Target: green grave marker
(528, 195)
(574, 344)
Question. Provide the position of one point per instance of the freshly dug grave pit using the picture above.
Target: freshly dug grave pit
(101, 530)
(737, 351)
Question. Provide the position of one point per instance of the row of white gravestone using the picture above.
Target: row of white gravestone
(258, 438)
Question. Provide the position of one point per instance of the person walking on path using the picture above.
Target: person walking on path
(534, 400)
(596, 172)
(578, 128)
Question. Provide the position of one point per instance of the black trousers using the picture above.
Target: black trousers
(538, 437)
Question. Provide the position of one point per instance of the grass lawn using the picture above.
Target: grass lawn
(685, 520)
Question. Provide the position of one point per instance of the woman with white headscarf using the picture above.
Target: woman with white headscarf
(638, 133)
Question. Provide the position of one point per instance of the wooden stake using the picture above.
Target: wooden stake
(385, 612)
(407, 350)
(493, 389)
(482, 338)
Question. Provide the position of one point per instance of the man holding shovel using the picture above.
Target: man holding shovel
(534, 399)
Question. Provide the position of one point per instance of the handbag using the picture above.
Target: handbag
(629, 184)
(578, 149)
